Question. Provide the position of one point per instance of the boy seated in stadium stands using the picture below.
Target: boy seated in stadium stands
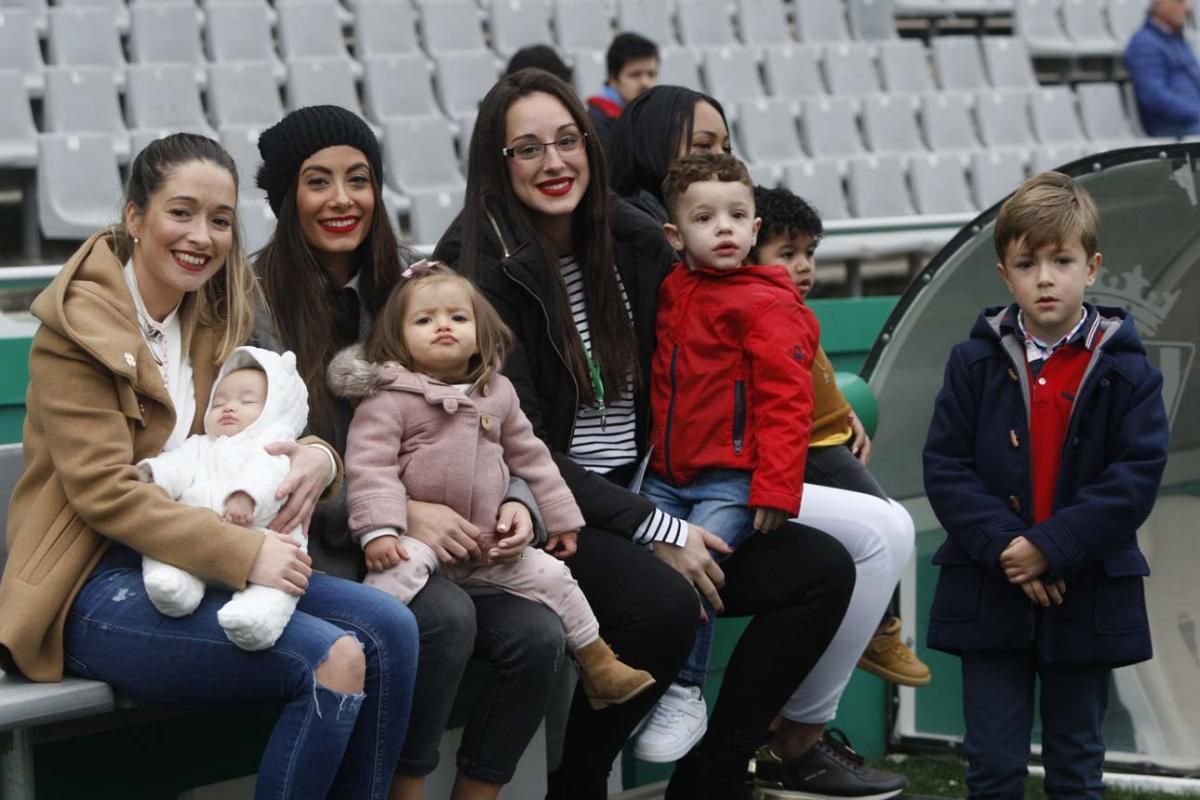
(632, 62)
(1165, 72)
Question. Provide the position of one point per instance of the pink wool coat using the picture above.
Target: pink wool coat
(413, 436)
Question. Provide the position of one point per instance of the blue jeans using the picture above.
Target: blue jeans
(998, 709)
(326, 743)
(716, 501)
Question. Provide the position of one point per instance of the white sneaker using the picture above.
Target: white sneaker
(673, 726)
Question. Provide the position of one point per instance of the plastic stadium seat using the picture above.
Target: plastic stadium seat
(820, 183)
(463, 79)
(241, 31)
(1008, 63)
(878, 187)
(590, 71)
(36, 8)
(850, 68)
(86, 37)
(872, 20)
(1055, 156)
(996, 174)
(18, 134)
(419, 155)
(384, 27)
(519, 23)
(241, 141)
(705, 23)
(1054, 118)
(165, 33)
(311, 29)
(680, 66)
(1003, 118)
(829, 127)
(258, 224)
(165, 97)
(322, 81)
(890, 124)
(904, 64)
(116, 8)
(958, 63)
(243, 94)
(1104, 117)
(583, 25)
(84, 100)
(921, 8)
(793, 71)
(767, 131)
(819, 21)
(78, 185)
(946, 119)
(763, 22)
(452, 26)
(1125, 17)
(19, 49)
(732, 73)
(940, 185)
(652, 20)
(1085, 26)
(398, 86)
(1036, 21)
(432, 212)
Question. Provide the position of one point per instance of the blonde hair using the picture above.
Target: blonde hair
(493, 339)
(1049, 208)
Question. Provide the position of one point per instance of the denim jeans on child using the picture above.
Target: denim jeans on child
(326, 743)
(716, 501)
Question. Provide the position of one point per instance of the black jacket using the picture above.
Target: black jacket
(515, 277)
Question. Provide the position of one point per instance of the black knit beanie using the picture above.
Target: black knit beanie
(285, 145)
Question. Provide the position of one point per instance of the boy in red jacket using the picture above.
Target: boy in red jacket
(731, 395)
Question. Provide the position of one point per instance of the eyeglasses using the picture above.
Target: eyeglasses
(532, 151)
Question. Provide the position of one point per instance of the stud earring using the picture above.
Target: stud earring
(136, 240)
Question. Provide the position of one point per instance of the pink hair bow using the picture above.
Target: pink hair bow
(419, 268)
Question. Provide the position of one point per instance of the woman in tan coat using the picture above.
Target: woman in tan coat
(132, 332)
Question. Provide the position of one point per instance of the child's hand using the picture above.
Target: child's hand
(1022, 561)
(860, 443)
(384, 553)
(1043, 594)
(768, 519)
(239, 509)
(562, 545)
(515, 527)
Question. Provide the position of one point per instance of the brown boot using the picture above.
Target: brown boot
(606, 681)
(891, 659)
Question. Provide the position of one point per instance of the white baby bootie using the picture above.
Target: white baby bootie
(172, 591)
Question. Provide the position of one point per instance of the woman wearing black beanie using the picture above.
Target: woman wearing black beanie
(326, 272)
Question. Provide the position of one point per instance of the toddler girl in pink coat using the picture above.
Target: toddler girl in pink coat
(436, 422)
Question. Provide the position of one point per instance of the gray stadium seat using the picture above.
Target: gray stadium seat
(652, 20)
(1054, 118)
(519, 23)
(78, 185)
(258, 223)
(36, 8)
(850, 68)
(1104, 118)
(116, 8)
(995, 174)
(1008, 63)
(322, 81)
(767, 131)
(84, 100)
(432, 212)
(583, 25)
(241, 31)
(1054, 156)
(310, 29)
(1036, 21)
(872, 20)
(18, 134)
(452, 26)
(732, 73)
(19, 49)
(940, 185)
(398, 86)
(793, 71)
(243, 94)
(890, 124)
(680, 66)
(164, 97)
(1003, 118)
(958, 63)
(820, 183)
(419, 155)
(384, 27)
(86, 37)
(878, 187)
(829, 127)
(921, 8)
(763, 22)
(1085, 26)
(463, 79)
(590, 71)
(705, 23)
(819, 21)
(946, 119)
(165, 33)
(904, 64)
(1125, 17)
(241, 141)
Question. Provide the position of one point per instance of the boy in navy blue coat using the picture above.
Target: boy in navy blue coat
(1045, 452)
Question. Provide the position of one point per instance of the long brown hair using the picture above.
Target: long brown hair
(493, 339)
(613, 343)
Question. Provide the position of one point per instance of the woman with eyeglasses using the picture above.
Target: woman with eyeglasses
(575, 274)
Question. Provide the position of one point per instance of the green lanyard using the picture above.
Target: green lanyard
(597, 388)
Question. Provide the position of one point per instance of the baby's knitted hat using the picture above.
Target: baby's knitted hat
(285, 145)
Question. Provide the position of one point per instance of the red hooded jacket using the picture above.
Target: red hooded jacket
(731, 380)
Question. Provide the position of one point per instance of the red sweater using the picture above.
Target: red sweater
(1051, 397)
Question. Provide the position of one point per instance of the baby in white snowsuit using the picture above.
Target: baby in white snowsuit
(258, 398)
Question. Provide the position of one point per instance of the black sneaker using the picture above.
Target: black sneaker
(830, 769)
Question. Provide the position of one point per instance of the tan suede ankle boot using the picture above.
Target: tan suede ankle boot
(606, 681)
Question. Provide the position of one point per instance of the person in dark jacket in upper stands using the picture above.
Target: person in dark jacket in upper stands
(1165, 72)
(633, 63)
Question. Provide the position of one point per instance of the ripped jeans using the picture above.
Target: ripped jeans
(326, 743)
